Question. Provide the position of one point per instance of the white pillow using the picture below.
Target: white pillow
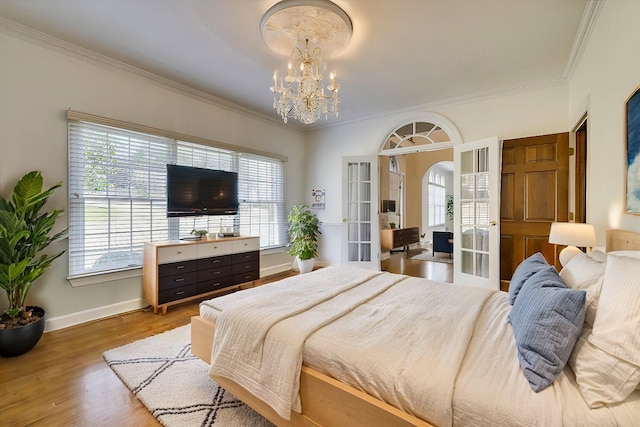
(586, 272)
(604, 379)
(607, 363)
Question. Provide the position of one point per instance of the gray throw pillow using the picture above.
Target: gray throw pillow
(547, 320)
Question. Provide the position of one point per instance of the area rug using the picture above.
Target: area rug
(427, 256)
(174, 384)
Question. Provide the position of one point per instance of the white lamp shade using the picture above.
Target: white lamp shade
(571, 234)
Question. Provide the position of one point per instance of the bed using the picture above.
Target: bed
(474, 370)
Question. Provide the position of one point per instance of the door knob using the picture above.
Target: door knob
(344, 219)
(493, 223)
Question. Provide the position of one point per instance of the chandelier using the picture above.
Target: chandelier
(308, 31)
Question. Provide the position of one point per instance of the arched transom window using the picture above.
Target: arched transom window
(432, 133)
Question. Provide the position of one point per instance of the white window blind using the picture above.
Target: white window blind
(117, 195)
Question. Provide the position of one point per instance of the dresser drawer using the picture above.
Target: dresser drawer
(174, 268)
(247, 276)
(171, 254)
(245, 267)
(212, 285)
(214, 262)
(170, 282)
(214, 248)
(214, 273)
(177, 293)
(246, 245)
(245, 257)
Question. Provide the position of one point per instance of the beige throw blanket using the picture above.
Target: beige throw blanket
(258, 341)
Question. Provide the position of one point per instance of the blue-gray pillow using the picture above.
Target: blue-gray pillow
(547, 320)
(524, 270)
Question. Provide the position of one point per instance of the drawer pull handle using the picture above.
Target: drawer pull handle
(247, 277)
(180, 279)
(247, 266)
(179, 267)
(215, 273)
(179, 252)
(180, 293)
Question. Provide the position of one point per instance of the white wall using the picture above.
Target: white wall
(39, 82)
(510, 115)
(606, 76)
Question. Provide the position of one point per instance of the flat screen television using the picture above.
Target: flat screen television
(198, 191)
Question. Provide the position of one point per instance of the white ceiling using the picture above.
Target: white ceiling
(403, 54)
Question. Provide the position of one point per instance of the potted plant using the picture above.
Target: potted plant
(304, 228)
(24, 233)
(199, 233)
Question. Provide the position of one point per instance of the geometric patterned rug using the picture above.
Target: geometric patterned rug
(175, 385)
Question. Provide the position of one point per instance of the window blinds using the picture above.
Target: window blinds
(117, 195)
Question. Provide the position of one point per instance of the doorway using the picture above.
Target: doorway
(407, 154)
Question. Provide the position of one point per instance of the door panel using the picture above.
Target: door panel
(360, 224)
(476, 210)
(535, 193)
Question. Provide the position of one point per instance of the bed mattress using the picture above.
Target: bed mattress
(404, 347)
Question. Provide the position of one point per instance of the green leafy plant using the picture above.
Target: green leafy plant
(304, 228)
(450, 207)
(392, 224)
(199, 233)
(24, 233)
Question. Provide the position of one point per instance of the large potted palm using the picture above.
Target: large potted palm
(25, 230)
(304, 228)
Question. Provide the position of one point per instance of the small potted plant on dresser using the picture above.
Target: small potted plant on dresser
(24, 233)
(304, 228)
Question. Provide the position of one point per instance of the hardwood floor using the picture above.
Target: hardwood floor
(64, 380)
(399, 262)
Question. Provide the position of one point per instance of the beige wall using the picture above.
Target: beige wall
(608, 73)
(417, 165)
(39, 82)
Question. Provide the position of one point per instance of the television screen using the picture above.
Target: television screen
(388, 206)
(197, 191)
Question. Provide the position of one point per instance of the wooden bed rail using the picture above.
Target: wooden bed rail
(325, 400)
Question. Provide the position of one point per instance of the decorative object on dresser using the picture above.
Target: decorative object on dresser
(178, 271)
(391, 238)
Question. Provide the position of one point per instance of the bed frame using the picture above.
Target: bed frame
(328, 402)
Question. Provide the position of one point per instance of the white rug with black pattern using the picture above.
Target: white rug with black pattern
(174, 384)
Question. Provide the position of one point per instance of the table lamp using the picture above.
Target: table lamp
(571, 234)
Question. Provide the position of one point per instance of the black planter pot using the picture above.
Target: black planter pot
(17, 341)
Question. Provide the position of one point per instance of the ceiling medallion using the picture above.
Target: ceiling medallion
(308, 31)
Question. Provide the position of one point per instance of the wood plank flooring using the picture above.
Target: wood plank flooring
(64, 380)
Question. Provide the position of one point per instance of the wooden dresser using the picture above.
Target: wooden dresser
(178, 271)
(391, 238)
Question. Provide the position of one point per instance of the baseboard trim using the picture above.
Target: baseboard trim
(61, 322)
(276, 269)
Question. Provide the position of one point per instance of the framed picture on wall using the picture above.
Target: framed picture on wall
(633, 153)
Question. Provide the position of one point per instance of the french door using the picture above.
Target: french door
(476, 235)
(360, 224)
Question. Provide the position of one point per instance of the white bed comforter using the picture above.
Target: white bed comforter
(258, 343)
(442, 352)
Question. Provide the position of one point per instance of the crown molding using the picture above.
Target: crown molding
(589, 18)
(86, 54)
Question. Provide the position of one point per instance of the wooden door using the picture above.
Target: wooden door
(534, 193)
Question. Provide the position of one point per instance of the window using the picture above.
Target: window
(437, 199)
(117, 195)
